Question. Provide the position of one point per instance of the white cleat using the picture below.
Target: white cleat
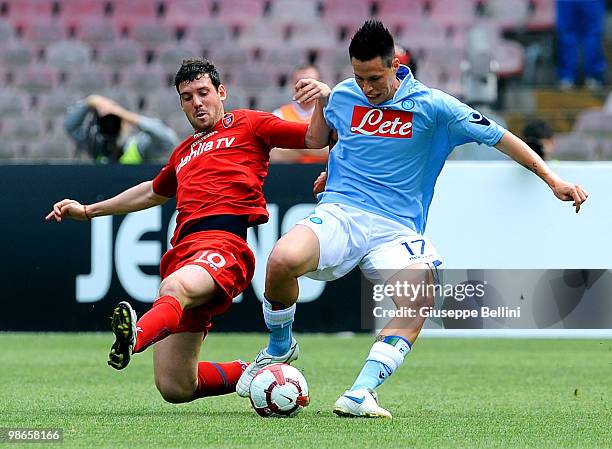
(263, 359)
(361, 403)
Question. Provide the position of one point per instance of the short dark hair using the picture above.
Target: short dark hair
(109, 124)
(538, 129)
(372, 40)
(192, 69)
(535, 130)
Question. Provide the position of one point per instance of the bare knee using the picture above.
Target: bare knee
(285, 261)
(173, 392)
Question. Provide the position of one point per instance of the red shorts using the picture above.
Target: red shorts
(229, 261)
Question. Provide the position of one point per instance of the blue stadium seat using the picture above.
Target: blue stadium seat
(312, 36)
(67, 55)
(144, 79)
(54, 103)
(7, 32)
(16, 55)
(179, 123)
(152, 35)
(230, 56)
(237, 98)
(256, 79)
(122, 54)
(37, 78)
(54, 147)
(282, 57)
(23, 128)
(334, 57)
(95, 31)
(13, 102)
(270, 99)
(170, 56)
(125, 97)
(208, 33)
(162, 103)
(89, 79)
(263, 34)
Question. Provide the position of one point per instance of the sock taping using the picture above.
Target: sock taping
(277, 317)
(387, 354)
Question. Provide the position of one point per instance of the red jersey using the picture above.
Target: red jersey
(222, 171)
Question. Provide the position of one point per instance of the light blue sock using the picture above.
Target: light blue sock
(279, 339)
(384, 358)
(372, 375)
(280, 323)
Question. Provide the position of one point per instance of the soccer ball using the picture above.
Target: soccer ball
(279, 390)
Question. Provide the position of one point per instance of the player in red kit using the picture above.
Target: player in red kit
(216, 175)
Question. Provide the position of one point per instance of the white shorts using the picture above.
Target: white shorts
(350, 237)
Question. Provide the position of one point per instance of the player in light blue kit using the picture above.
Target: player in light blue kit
(393, 135)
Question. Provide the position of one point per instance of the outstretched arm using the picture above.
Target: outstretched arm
(521, 153)
(133, 199)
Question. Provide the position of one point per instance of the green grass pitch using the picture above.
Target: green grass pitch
(450, 393)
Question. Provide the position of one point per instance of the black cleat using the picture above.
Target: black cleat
(123, 324)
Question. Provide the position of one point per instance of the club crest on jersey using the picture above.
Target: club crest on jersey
(381, 123)
(408, 104)
(228, 119)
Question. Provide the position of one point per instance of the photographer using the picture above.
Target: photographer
(109, 133)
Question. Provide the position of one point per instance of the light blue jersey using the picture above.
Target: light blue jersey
(388, 157)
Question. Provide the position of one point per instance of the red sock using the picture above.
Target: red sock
(215, 378)
(159, 322)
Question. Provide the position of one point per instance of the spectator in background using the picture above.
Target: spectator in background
(539, 136)
(110, 133)
(301, 113)
(406, 58)
(580, 26)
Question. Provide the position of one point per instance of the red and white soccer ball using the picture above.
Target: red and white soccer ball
(279, 390)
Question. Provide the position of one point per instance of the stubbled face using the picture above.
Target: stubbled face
(376, 80)
(202, 103)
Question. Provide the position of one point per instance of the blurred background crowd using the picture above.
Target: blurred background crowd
(90, 81)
